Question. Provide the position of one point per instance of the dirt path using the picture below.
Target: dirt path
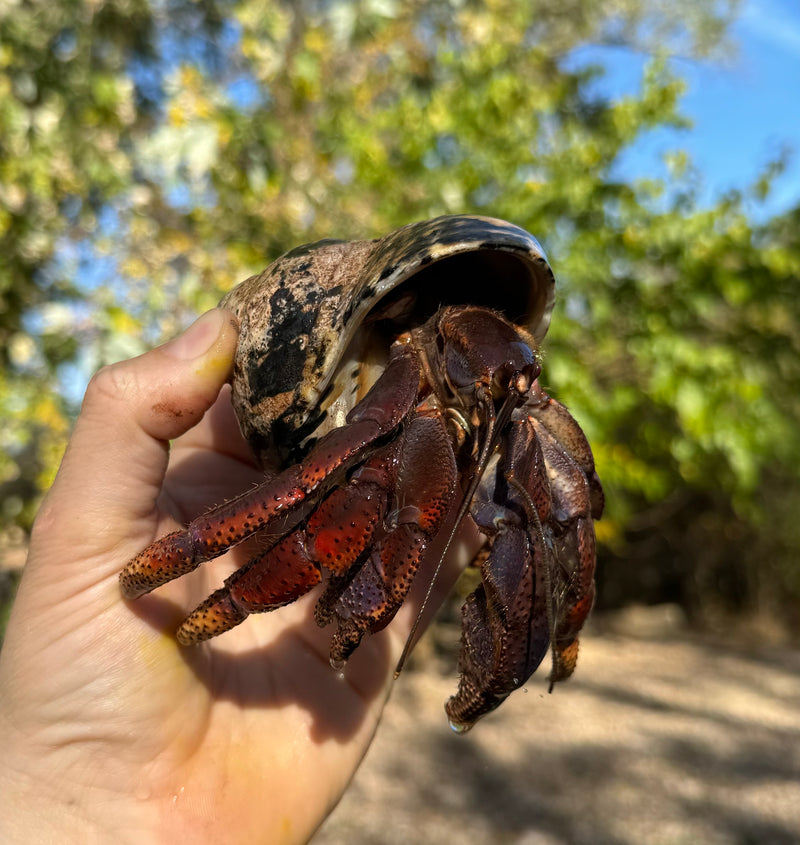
(682, 740)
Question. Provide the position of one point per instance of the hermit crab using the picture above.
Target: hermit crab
(395, 382)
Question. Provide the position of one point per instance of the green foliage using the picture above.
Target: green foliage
(151, 155)
(689, 380)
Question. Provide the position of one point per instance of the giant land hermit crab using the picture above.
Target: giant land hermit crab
(393, 381)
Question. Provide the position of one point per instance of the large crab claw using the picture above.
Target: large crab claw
(536, 503)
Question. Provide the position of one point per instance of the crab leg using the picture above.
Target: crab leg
(426, 480)
(572, 577)
(383, 408)
(568, 435)
(344, 525)
(335, 536)
(573, 603)
(505, 632)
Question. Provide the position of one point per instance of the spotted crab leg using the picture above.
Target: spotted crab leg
(362, 595)
(335, 536)
(505, 632)
(279, 500)
(425, 486)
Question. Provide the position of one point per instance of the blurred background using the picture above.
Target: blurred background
(155, 152)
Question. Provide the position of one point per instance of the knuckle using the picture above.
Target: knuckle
(112, 383)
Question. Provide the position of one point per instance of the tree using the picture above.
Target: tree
(156, 154)
(693, 384)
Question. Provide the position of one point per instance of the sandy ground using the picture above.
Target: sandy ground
(661, 737)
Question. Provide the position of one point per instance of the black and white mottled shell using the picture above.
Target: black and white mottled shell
(314, 319)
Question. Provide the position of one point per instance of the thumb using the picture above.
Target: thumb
(104, 496)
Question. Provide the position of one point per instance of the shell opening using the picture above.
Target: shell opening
(495, 278)
(509, 282)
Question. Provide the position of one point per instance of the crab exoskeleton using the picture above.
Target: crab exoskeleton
(395, 381)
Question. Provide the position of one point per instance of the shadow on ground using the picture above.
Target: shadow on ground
(679, 740)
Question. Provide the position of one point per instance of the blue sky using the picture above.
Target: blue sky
(744, 110)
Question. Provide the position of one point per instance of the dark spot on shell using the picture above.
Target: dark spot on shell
(387, 271)
(366, 293)
(281, 369)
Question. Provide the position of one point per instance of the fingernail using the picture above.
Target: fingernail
(199, 337)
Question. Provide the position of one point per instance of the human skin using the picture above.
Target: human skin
(111, 731)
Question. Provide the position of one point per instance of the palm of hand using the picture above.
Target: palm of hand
(257, 727)
(104, 719)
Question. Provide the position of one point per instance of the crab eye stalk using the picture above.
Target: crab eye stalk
(522, 382)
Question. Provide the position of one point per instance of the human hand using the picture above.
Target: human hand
(109, 728)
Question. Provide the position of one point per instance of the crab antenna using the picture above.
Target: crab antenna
(494, 424)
